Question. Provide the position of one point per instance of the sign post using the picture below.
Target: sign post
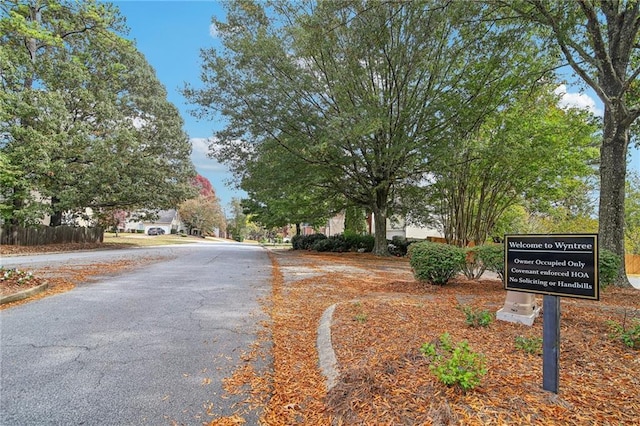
(551, 343)
(555, 266)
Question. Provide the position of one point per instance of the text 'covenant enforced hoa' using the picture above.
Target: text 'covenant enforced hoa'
(561, 265)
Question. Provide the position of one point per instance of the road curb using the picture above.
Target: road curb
(326, 355)
(23, 294)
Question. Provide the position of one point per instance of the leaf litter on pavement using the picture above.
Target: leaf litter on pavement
(381, 319)
(64, 277)
(383, 316)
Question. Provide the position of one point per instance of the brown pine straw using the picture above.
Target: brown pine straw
(382, 318)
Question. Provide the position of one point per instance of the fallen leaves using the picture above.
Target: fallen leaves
(55, 248)
(383, 316)
(65, 277)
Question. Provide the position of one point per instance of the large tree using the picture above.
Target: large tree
(600, 41)
(532, 152)
(203, 212)
(282, 190)
(364, 93)
(87, 121)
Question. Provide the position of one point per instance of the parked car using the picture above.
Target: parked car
(155, 231)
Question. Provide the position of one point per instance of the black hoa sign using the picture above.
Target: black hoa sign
(559, 265)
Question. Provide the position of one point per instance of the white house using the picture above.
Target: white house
(168, 220)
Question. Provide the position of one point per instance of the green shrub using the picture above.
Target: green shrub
(492, 257)
(296, 242)
(477, 318)
(304, 242)
(398, 246)
(357, 242)
(334, 243)
(608, 265)
(436, 263)
(473, 267)
(458, 366)
(531, 345)
(628, 334)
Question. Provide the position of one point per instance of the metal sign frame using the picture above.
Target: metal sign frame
(563, 265)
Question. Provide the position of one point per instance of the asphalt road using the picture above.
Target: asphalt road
(148, 347)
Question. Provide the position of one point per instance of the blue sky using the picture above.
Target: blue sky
(171, 33)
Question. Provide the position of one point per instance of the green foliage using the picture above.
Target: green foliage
(14, 274)
(203, 213)
(473, 268)
(583, 34)
(281, 189)
(237, 223)
(336, 243)
(329, 244)
(359, 242)
(477, 318)
(343, 243)
(492, 257)
(486, 172)
(629, 335)
(398, 246)
(608, 265)
(361, 317)
(305, 242)
(531, 345)
(346, 140)
(355, 220)
(435, 263)
(455, 366)
(83, 116)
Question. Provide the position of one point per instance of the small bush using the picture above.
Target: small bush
(304, 242)
(473, 267)
(531, 345)
(20, 277)
(492, 257)
(335, 244)
(458, 366)
(357, 242)
(398, 246)
(608, 265)
(435, 263)
(476, 318)
(628, 334)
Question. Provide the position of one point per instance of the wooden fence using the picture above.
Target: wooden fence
(43, 235)
(632, 263)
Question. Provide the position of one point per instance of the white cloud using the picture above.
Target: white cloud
(213, 31)
(577, 100)
(200, 145)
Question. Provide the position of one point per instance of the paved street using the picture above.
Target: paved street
(149, 346)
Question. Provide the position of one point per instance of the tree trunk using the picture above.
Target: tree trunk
(380, 247)
(56, 216)
(613, 171)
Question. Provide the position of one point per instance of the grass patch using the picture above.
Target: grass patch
(143, 240)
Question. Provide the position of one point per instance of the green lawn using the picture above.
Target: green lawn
(142, 240)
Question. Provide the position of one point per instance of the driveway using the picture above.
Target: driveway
(147, 347)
